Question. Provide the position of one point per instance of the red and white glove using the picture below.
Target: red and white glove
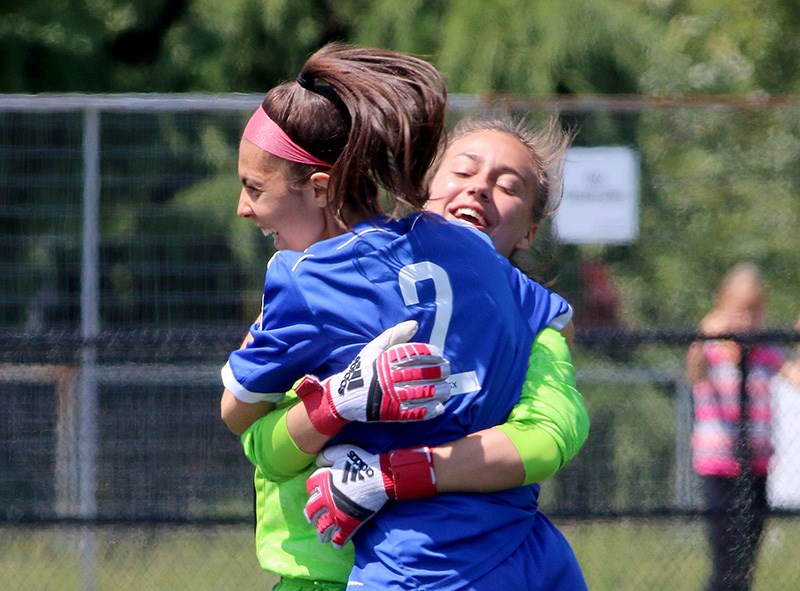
(354, 484)
(386, 381)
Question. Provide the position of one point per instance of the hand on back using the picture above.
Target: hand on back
(389, 380)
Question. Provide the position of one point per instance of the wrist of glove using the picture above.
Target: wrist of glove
(389, 380)
(354, 484)
(408, 473)
(321, 411)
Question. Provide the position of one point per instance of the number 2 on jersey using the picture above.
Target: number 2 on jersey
(408, 278)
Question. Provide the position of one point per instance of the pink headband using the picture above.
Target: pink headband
(267, 135)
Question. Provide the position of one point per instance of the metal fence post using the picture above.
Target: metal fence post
(90, 330)
(687, 485)
(743, 451)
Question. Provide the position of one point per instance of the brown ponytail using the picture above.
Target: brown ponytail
(376, 115)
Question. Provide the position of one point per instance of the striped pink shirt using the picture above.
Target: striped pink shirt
(716, 411)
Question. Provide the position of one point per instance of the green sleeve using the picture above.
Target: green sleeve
(549, 424)
(270, 448)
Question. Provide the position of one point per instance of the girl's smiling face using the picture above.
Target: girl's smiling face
(487, 179)
(291, 213)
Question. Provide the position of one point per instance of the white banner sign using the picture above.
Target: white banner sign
(600, 203)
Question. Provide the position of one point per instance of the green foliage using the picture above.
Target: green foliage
(517, 46)
(242, 45)
(724, 47)
(718, 186)
(159, 45)
(722, 190)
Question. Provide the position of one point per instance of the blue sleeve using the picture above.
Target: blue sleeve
(542, 307)
(287, 344)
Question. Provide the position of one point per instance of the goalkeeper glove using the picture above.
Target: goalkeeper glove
(386, 381)
(352, 485)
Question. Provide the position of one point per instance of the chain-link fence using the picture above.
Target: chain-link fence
(127, 279)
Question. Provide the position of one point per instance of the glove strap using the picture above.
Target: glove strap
(409, 473)
(319, 407)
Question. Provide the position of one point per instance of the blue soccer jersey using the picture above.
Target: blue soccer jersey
(323, 305)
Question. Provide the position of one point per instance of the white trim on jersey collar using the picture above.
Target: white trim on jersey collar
(301, 259)
(359, 234)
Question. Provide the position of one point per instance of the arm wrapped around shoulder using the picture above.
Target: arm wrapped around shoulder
(550, 424)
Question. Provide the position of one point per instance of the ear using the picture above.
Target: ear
(526, 241)
(319, 184)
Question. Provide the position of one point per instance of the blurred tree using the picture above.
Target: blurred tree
(52, 46)
(159, 45)
(243, 45)
(734, 195)
(743, 166)
(522, 47)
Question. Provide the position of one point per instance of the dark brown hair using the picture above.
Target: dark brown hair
(376, 115)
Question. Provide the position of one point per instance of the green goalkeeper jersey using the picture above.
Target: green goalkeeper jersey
(286, 544)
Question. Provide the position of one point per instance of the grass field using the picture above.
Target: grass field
(619, 555)
(662, 554)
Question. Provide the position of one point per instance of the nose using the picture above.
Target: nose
(480, 189)
(243, 208)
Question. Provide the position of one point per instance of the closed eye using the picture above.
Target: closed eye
(510, 184)
(252, 190)
(463, 172)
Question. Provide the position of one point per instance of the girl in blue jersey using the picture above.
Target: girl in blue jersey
(321, 304)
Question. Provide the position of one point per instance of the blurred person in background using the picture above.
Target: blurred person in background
(733, 469)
